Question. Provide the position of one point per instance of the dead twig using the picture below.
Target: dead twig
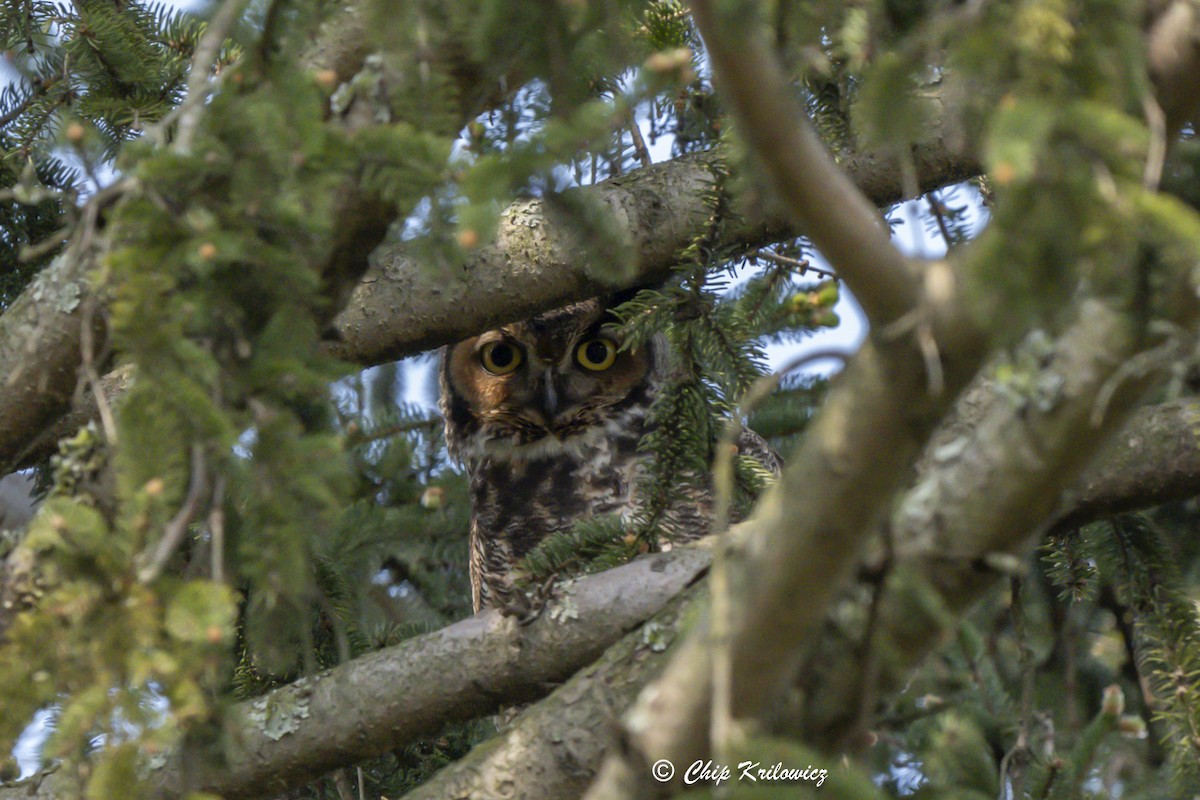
(178, 526)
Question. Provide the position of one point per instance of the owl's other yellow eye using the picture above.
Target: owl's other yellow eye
(500, 358)
(596, 354)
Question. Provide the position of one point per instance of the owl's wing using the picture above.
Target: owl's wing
(751, 444)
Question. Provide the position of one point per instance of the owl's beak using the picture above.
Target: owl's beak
(549, 396)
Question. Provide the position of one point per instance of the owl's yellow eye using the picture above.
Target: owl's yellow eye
(500, 358)
(596, 354)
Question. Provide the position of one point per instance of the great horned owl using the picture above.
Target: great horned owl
(546, 415)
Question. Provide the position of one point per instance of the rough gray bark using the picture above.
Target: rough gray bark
(554, 748)
(40, 341)
(808, 531)
(934, 578)
(82, 410)
(974, 540)
(1153, 460)
(811, 526)
(401, 309)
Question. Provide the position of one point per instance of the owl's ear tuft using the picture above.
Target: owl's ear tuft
(456, 414)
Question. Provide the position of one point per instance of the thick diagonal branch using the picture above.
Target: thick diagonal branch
(546, 754)
(553, 749)
(855, 456)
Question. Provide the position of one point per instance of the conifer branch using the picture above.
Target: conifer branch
(400, 309)
(909, 621)
(812, 531)
(515, 754)
(842, 223)
(804, 266)
(18, 108)
(808, 530)
(1022, 467)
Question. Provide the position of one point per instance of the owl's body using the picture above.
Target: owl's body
(546, 415)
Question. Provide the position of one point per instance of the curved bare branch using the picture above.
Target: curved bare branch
(843, 224)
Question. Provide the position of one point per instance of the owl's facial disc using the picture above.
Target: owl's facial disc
(544, 386)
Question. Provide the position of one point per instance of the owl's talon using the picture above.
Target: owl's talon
(532, 602)
(517, 606)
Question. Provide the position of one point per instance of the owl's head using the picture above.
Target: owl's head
(533, 388)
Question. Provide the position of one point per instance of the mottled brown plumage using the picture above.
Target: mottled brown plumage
(546, 416)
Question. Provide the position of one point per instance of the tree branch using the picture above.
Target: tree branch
(554, 748)
(350, 34)
(911, 623)
(1153, 460)
(807, 532)
(40, 353)
(1173, 59)
(843, 224)
(924, 595)
(866, 443)
(540, 752)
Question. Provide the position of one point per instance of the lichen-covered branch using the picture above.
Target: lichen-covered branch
(810, 527)
(1155, 459)
(548, 755)
(40, 337)
(401, 309)
(553, 750)
(1151, 460)
(807, 532)
(856, 456)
